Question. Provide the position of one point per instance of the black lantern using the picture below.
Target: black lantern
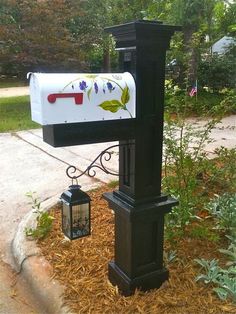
(75, 213)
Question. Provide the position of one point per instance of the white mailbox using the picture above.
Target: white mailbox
(69, 98)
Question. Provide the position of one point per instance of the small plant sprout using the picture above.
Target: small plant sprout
(34, 201)
(224, 209)
(169, 257)
(44, 219)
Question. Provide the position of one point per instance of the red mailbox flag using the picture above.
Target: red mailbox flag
(78, 97)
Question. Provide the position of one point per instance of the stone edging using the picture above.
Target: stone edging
(35, 268)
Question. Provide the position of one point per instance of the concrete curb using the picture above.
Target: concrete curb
(34, 267)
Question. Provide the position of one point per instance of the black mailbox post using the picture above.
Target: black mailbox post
(139, 205)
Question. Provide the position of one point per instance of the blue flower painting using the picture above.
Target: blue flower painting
(110, 87)
(83, 85)
(96, 87)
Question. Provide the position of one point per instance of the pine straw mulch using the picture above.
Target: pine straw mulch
(81, 266)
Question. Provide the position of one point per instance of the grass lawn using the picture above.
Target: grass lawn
(15, 114)
(205, 104)
(5, 83)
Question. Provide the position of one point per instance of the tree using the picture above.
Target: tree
(35, 36)
(101, 14)
(198, 19)
(46, 35)
(226, 18)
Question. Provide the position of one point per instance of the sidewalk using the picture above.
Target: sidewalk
(14, 91)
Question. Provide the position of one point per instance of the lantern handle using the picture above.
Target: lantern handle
(74, 179)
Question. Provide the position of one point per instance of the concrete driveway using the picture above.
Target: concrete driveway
(28, 164)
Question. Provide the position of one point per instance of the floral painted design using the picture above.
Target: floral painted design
(108, 85)
(96, 87)
(83, 85)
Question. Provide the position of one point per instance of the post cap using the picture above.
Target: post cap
(141, 32)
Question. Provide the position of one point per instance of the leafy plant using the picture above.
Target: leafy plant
(184, 166)
(223, 279)
(230, 252)
(113, 184)
(203, 232)
(218, 71)
(207, 103)
(229, 101)
(212, 270)
(34, 201)
(225, 174)
(224, 209)
(172, 234)
(227, 285)
(44, 220)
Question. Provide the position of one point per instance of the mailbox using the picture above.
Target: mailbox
(71, 98)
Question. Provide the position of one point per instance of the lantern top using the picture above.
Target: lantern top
(140, 32)
(74, 186)
(74, 195)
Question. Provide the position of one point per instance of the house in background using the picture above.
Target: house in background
(221, 46)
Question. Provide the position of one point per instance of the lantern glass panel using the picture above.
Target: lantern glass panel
(66, 220)
(80, 220)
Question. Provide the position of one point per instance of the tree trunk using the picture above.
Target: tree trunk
(106, 60)
(191, 57)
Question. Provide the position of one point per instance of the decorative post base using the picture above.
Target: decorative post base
(127, 286)
(139, 235)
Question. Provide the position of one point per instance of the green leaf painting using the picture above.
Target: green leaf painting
(111, 105)
(125, 97)
(89, 92)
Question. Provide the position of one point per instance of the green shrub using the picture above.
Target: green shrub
(218, 71)
(225, 173)
(207, 102)
(184, 166)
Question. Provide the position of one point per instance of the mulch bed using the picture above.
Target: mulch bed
(81, 266)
